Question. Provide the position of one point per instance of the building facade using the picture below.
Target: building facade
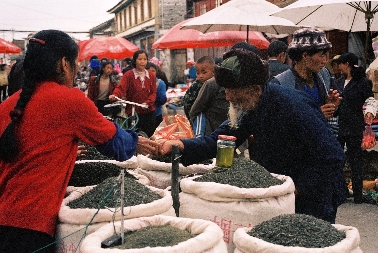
(142, 22)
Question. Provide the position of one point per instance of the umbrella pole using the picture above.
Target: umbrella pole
(366, 42)
(368, 16)
(247, 33)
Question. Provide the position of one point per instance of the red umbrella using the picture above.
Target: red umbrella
(176, 38)
(108, 47)
(8, 47)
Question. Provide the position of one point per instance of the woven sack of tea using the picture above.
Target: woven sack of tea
(131, 163)
(147, 163)
(71, 220)
(246, 243)
(158, 179)
(92, 173)
(160, 173)
(207, 239)
(232, 207)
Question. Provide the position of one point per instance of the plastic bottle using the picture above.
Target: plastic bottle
(225, 151)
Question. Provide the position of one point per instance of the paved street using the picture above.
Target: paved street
(365, 218)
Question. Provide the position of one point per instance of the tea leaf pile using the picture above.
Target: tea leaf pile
(298, 230)
(93, 173)
(155, 236)
(135, 194)
(92, 153)
(244, 173)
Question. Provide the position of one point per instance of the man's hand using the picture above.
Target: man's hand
(146, 146)
(333, 98)
(166, 146)
(369, 118)
(328, 110)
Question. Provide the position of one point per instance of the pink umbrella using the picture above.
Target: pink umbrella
(8, 47)
(108, 47)
(177, 38)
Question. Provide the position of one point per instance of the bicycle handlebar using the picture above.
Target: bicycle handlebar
(131, 103)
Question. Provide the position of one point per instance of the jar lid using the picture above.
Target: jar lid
(227, 137)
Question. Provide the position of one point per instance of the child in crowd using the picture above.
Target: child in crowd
(205, 71)
(190, 72)
(161, 95)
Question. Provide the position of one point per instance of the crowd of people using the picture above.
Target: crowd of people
(284, 111)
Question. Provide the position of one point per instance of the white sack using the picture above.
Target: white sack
(232, 207)
(208, 239)
(131, 163)
(147, 163)
(224, 192)
(83, 216)
(158, 179)
(248, 244)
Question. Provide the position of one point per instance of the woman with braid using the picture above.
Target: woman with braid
(40, 127)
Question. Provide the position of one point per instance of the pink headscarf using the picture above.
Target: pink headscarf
(156, 61)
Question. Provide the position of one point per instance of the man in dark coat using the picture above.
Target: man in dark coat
(277, 58)
(290, 131)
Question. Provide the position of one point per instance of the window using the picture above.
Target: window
(124, 12)
(218, 3)
(143, 44)
(118, 22)
(202, 9)
(149, 6)
(129, 16)
(142, 16)
(135, 5)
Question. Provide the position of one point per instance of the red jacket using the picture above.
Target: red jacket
(132, 89)
(55, 119)
(94, 86)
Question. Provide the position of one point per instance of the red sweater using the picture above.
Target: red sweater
(33, 187)
(131, 89)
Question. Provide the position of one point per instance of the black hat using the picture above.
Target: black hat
(246, 46)
(127, 60)
(241, 68)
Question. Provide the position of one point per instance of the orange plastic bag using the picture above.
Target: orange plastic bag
(175, 127)
(368, 139)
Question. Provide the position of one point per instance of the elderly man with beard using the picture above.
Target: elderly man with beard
(291, 134)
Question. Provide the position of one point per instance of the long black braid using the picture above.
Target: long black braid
(44, 51)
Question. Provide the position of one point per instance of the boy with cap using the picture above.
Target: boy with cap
(204, 71)
(302, 146)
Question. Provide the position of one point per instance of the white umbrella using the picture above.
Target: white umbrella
(346, 15)
(242, 15)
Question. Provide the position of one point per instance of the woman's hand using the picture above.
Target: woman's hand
(112, 98)
(146, 146)
(81, 151)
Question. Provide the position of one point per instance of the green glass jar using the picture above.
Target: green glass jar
(225, 151)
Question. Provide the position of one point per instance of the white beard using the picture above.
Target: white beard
(235, 114)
